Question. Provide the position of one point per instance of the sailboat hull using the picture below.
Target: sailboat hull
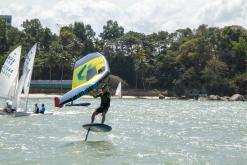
(79, 104)
(15, 114)
(41, 114)
(20, 114)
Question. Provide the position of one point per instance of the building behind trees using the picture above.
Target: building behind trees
(7, 19)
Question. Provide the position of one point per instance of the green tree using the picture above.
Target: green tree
(239, 63)
(131, 41)
(14, 37)
(240, 82)
(215, 75)
(71, 44)
(166, 69)
(141, 63)
(112, 31)
(33, 30)
(2, 36)
(46, 39)
(85, 35)
(232, 48)
(51, 59)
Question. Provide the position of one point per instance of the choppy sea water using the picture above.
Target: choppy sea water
(144, 132)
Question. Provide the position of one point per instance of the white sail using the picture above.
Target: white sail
(17, 98)
(119, 90)
(25, 78)
(13, 88)
(9, 74)
(28, 65)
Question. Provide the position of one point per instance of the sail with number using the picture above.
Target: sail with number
(9, 74)
(119, 90)
(87, 75)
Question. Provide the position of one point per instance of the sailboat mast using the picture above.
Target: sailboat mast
(27, 98)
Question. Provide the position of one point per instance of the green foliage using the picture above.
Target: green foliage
(114, 80)
(215, 75)
(33, 31)
(46, 38)
(112, 31)
(2, 35)
(240, 82)
(14, 37)
(206, 60)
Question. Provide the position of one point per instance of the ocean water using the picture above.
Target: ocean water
(144, 132)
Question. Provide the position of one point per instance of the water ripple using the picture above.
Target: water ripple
(144, 132)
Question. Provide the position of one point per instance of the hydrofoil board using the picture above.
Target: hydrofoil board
(79, 104)
(97, 127)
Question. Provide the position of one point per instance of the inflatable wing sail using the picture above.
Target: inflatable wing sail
(88, 73)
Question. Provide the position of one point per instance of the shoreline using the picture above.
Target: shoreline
(52, 96)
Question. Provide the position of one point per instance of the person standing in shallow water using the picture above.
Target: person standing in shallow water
(104, 105)
(36, 108)
(42, 110)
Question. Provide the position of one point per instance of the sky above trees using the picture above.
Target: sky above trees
(145, 16)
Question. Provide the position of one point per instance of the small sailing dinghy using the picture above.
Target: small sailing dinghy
(23, 83)
(9, 80)
(27, 75)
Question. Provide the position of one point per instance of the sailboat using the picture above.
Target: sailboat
(89, 71)
(9, 77)
(118, 92)
(27, 72)
(23, 83)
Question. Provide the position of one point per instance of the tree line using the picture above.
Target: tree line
(206, 60)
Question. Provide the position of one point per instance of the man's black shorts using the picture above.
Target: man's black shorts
(102, 109)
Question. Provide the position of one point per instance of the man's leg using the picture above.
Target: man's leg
(103, 117)
(93, 116)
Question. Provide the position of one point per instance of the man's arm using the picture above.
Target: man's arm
(97, 95)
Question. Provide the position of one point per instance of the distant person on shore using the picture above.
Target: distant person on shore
(42, 110)
(36, 108)
(105, 103)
